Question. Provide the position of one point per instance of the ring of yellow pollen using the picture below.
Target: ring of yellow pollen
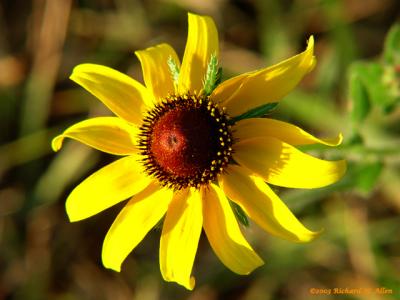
(185, 141)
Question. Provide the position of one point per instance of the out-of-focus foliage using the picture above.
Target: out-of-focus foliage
(374, 86)
(354, 89)
(377, 83)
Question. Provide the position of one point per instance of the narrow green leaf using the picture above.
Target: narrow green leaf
(257, 112)
(213, 75)
(391, 53)
(174, 69)
(359, 97)
(239, 213)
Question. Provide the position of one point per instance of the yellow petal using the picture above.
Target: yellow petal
(106, 187)
(135, 220)
(202, 42)
(156, 73)
(281, 164)
(250, 90)
(224, 234)
(288, 133)
(180, 238)
(108, 134)
(262, 205)
(123, 95)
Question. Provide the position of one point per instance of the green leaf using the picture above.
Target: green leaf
(359, 98)
(174, 69)
(391, 53)
(257, 112)
(213, 75)
(355, 139)
(239, 213)
(379, 93)
(368, 175)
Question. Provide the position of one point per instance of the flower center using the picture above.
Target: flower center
(185, 141)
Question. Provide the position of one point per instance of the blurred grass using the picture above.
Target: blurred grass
(43, 256)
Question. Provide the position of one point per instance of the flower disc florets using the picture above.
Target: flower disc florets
(185, 141)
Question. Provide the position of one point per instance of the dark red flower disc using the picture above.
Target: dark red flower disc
(184, 141)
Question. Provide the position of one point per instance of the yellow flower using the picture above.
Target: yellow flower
(185, 153)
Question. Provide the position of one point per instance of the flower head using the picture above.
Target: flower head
(187, 150)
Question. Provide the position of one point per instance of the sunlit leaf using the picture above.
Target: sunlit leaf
(213, 75)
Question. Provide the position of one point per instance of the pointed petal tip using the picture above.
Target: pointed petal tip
(310, 61)
(107, 261)
(77, 74)
(74, 211)
(116, 269)
(310, 42)
(286, 132)
(187, 284)
(81, 67)
(335, 141)
(263, 206)
(71, 218)
(224, 234)
(180, 236)
(310, 237)
(340, 138)
(109, 265)
(285, 172)
(278, 80)
(71, 213)
(73, 77)
(190, 284)
(81, 72)
(78, 69)
(74, 71)
(56, 143)
(259, 264)
(107, 134)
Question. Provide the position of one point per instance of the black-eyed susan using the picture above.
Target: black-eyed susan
(186, 153)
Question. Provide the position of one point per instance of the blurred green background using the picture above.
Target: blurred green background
(354, 89)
